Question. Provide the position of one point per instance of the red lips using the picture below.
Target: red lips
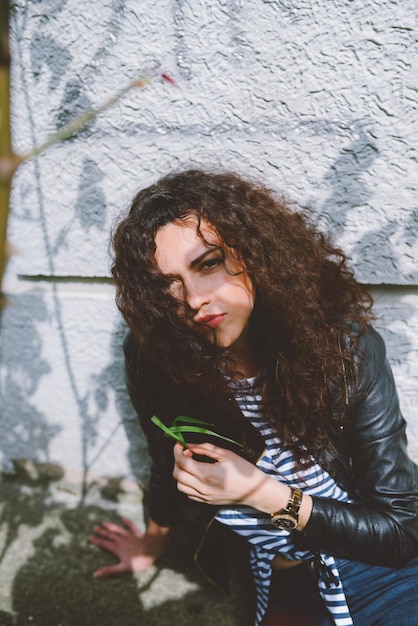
(212, 321)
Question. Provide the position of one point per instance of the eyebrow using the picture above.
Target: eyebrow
(201, 257)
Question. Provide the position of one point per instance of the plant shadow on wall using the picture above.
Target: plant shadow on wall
(378, 249)
(23, 427)
(49, 58)
(77, 103)
(110, 382)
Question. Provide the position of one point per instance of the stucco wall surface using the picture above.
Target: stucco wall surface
(316, 98)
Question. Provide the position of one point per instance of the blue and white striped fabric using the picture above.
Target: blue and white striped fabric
(267, 541)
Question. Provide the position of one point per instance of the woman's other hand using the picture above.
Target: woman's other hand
(136, 550)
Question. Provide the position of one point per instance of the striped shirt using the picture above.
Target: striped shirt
(267, 541)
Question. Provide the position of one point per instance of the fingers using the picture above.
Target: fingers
(184, 458)
(187, 474)
(181, 454)
(133, 528)
(194, 478)
(183, 462)
(209, 450)
(107, 529)
(106, 544)
(111, 570)
(111, 531)
(111, 536)
(186, 483)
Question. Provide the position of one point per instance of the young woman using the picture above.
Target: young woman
(243, 315)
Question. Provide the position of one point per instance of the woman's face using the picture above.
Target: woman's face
(204, 278)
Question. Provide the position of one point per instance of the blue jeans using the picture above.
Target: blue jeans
(381, 596)
(376, 596)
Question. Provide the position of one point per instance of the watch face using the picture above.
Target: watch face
(284, 522)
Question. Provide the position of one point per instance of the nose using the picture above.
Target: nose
(196, 294)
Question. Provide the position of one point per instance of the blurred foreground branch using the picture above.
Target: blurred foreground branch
(10, 161)
(6, 155)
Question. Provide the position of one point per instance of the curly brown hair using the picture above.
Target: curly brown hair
(309, 309)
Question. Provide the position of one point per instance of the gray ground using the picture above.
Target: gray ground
(47, 564)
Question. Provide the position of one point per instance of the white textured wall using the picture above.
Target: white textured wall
(316, 98)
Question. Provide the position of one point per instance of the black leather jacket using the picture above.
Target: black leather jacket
(368, 458)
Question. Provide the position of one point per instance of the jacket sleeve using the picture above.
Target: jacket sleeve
(144, 390)
(381, 526)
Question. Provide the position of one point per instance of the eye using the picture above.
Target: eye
(209, 264)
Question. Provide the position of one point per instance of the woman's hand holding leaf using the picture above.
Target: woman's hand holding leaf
(230, 480)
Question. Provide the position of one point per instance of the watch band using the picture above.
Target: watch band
(288, 518)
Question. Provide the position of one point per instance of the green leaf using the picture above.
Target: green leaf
(182, 419)
(186, 426)
(167, 431)
(205, 431)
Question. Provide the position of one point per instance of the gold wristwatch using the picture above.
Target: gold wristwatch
(288, 518)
